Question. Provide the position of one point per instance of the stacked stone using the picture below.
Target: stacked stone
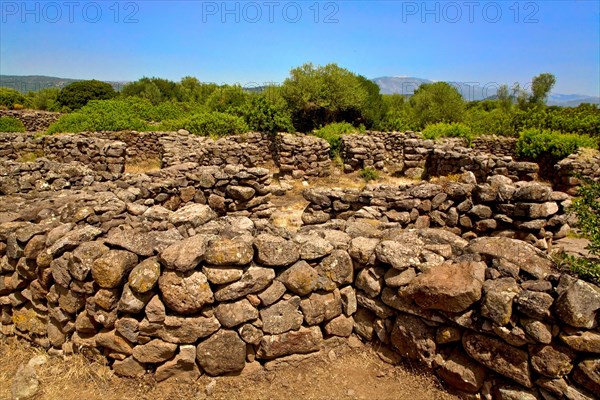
(140, 145)
(34, 121)
(569, 171)
(449, 159)
(524, 210)
(14, 145)
(250, 149)
(497, 145)
(213, 296)
(45, 175)
(362, 151)
(302, 156)
(98, 154)
(233, 190)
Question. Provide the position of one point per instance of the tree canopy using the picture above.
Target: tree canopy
(78, 94)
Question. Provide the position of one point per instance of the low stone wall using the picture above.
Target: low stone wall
(302, 156)
(496, 145)
(523, 210)
(96, 153)
(34, 121)
(182, 293)
(416, 157)
(233, 190)
(568, 171)
(450, 159)
(250, 149)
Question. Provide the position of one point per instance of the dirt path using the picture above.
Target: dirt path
(338, 373)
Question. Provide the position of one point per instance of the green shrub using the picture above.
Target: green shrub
(333, 133)
(10, 124)
(44, 99)
(10, 97)
(442, 130)
(494, 122)
(587, 209)
(78, 94)
(213, 124)
(111, 115)
(534, 143)
(369, 174)
(263, 115)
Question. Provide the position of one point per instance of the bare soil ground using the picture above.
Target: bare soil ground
(339, 373)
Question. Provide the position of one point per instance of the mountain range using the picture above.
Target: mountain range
(403, 85)
(406, 85)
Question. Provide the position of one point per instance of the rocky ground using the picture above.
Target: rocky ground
(345, 372)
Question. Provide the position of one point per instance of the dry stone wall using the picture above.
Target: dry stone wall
(301, 156)
(34, 121)
(500, 207)
(183, 293)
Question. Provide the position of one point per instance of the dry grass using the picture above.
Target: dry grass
(341, 373)
(139, 166)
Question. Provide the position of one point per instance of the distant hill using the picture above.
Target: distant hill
(404, 85)
(407, 85)
(27, 83)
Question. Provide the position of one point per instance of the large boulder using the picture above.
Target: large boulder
(144, 276)
(335, 270)
(224, 352)
(109, 269)
(302, 341)
(185, 292)
(229, 252)
(275, 251)
(412, 338)
(253, 280)
(499, 356)
(233, 314)
(300, 278)
(185, 255)
(448, 287)
(531, 260)
(282, 316)
(462, 372)
(192, 215)
(578, 304)
(498, 298)
(155, 351)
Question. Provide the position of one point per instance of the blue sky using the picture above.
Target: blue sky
(260, 41)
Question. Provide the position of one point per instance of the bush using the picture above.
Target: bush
(369, 174)
(78, 94)
(442, 130)
(332, 133)
(10, 124)
(213, 124)
(44, 99)
(534, 143)
(587, 209)
(111, 115)
(10, 97)
(264, 115)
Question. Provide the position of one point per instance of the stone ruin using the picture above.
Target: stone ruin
(179, 272)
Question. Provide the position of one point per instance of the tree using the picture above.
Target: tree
(541, 86)
(10, 97)
(437, 102)
(227, 98)
(504, 98)
(44, 99)
(321, 95)
(78, 94)
(154, 89)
